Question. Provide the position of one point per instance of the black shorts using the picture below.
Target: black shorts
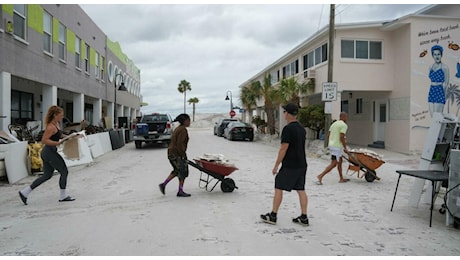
(290, 179)
(180, 167)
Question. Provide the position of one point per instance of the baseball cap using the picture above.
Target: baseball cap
(291, 108)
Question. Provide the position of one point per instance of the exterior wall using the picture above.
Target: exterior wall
(34, 70)
(398, 83)
(397, 128)
(427, 32)
(354, 74)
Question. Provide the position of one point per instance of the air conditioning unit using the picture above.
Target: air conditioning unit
(309, 74)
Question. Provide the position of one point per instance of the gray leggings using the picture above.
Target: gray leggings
(52, 160)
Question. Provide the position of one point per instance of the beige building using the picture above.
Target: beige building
(382, 74)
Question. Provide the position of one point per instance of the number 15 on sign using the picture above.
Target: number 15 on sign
(329, 91)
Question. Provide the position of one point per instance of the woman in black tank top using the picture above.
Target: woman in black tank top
(52, 160)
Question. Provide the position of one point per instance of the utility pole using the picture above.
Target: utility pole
(330, 62)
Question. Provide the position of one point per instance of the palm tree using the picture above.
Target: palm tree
(268, 93)
(193, 101)
(183, 87)
(290, 90)
(248, 97)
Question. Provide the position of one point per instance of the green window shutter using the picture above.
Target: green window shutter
(55, 30)
(92, 57)
(8, 9)
(82, 49)
(35, 17)
(70, 41)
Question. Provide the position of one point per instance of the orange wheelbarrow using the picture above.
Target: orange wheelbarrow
(362, 161)
(215, 172)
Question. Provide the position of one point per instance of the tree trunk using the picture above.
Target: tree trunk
(270, 117)
(193, 112)
(185, 91)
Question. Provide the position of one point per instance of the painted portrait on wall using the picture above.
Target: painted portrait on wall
(435, 72)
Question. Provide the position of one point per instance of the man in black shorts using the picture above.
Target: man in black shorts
(291, 175)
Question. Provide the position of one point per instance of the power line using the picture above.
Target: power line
(320, 17)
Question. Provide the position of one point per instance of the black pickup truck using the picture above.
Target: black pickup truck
(153, 128)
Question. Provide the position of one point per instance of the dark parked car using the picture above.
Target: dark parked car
(239, 131)
(221, 124)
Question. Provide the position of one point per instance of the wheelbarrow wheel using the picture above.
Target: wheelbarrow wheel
(227, 185)
(370, 176)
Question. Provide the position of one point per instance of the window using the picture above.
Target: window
(383, 113)
(21, 105)
(344, 106)
(324, 53)
(20, 21)
(86, 58)
(47, 32)
(102, 67)
(348, 49)
(291, 69)
(62, 41)
(361, 49)
(375, 50)
(359, 106)
(308, 61)
(275, 77)
(315, 57)
(77, 52)
(96, 65)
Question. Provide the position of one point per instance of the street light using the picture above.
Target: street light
(121, 88)
(231, 103)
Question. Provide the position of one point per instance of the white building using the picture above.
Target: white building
(382, 73)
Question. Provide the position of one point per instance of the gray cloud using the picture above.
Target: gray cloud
(215, 47)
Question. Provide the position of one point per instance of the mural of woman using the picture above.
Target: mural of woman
(439, 76)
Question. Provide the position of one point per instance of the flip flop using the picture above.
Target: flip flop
(68, 198)
(318, 183)
(344, 180)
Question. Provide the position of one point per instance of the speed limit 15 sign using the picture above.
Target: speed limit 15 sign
(329, 91)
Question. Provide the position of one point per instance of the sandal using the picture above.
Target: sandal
(318, 183)
(68, 198)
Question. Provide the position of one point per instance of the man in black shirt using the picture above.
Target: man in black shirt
(291, 175)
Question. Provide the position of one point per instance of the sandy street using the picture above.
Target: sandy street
(119, 210)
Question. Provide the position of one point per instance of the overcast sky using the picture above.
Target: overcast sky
(215, 47)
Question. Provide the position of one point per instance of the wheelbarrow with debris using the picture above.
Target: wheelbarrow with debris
(214, 170)
(366, 161)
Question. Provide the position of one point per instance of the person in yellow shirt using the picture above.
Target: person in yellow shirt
(337, 145)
